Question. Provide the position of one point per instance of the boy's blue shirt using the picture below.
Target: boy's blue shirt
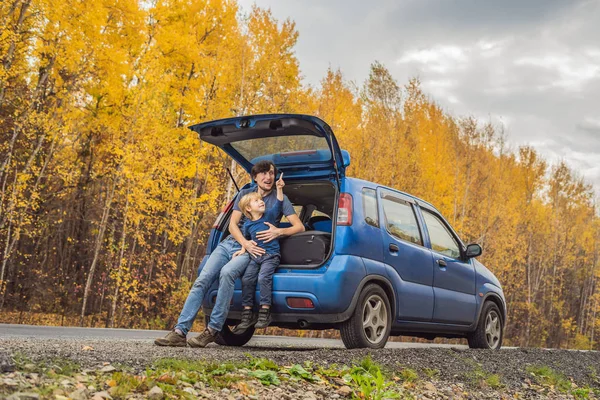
(270, 200)
(272, 215)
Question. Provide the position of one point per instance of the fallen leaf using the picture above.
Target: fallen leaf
(166, 378)
(243, 388)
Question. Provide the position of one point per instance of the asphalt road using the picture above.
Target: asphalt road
(33, 331)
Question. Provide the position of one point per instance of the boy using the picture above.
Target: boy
(260, 268)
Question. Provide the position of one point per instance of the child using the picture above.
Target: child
(260, 268)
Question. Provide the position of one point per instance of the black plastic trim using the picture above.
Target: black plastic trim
(328, 319)
(502, 309)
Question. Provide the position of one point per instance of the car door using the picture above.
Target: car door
(453, 276)
(403, 250)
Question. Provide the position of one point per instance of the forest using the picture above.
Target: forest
(106, 198)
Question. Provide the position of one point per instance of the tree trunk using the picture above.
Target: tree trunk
(97, 247)
(119, 265)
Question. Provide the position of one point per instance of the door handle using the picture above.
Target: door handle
(441, 263)
(393, 247)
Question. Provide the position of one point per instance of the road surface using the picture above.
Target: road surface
(24, 331)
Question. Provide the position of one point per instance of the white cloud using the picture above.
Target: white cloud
(573, 72)
(437, 54)
(533, 66)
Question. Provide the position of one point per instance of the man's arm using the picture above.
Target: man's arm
(234, 229)
(274, 232)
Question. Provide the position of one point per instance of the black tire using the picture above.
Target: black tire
(490, 329)
(354, 335)
(227, 338)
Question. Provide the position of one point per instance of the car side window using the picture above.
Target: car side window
(369, 198)
(442, 240)
(400, 219)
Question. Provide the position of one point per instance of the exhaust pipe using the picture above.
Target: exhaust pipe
(303, 324)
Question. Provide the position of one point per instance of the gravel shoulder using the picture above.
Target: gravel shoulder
(422, 372)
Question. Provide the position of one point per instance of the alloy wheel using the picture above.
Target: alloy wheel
(375, 319)
(492, 329)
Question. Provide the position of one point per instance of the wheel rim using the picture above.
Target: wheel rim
(492, 329)
(375, 319)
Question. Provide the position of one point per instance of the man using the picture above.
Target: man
(227, 264)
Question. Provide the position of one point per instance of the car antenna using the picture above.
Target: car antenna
(233, 180)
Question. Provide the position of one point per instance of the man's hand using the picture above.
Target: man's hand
(280, 183)
(239, 252)
(270, 234)
(252, 248)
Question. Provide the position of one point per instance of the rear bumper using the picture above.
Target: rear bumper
(331, 288)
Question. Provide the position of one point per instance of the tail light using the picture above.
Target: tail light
(222, 214)
(344, 215)
(299, 302)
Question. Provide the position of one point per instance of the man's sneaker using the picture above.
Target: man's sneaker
(264, 318)
(203, 339)
(248, 320)
(172, 339)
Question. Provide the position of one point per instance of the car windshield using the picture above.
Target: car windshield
(253, 148)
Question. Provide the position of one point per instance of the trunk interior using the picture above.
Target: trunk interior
(314, 203)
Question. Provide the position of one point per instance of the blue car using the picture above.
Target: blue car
(391, 264)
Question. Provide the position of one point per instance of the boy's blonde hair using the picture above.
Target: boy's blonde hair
(245, 202)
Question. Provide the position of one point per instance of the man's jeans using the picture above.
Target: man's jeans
(266, 264)
(219, 265)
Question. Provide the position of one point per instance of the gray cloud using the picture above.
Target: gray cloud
(533, 65)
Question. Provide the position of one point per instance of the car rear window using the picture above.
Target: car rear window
(369, 198)
(400, 219)
(258, 147)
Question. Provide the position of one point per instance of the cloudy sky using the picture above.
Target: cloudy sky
(532, 65)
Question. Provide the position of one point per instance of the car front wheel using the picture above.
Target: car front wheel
(490, 329)
(371, 322)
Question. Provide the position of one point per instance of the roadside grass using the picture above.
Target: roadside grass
(370, 381)
(54, 367)
(547, 376)
(431, 373)
(184, 378)
(409, 375)
(481, 378)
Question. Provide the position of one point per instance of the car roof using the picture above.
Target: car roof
(376, 185)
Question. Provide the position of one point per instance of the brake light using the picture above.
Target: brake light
(344, 215)
(225, 210)
(299, 302)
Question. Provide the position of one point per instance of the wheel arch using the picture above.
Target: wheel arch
(494, 298)
(382, 282)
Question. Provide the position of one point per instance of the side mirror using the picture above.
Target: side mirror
(473, 250)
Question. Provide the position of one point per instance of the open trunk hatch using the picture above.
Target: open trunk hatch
(300, 145)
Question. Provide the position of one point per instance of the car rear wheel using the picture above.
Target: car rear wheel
(490, 328)
(371, 322)
(227, 338)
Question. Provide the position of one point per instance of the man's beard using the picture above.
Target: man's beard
(266, 189)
